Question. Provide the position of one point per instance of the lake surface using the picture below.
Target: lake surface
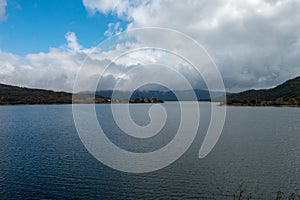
(42, 156)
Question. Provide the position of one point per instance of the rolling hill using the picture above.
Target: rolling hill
(285, 93)
(11, 95)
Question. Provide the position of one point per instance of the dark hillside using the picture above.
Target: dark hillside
(10, 95)
(287, 90)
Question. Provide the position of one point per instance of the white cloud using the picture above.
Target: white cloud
(72, 41)
(255, 43)
(113, 28)
(3, 4)
(54, 70)
(57, 69)
(120, 7)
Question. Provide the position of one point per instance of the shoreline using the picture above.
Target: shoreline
(245, 105)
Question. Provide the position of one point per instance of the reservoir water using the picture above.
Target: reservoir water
(42, 157)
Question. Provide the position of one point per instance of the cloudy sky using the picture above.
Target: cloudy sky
(255, 43)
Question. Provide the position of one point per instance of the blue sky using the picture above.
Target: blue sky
(34, 26)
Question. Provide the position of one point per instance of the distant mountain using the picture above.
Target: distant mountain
(166, 95)
(288, 91)
(10, 95)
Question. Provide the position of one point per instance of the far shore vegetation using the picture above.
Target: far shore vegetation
(146, 100)
(286, 94)
(291, 102)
